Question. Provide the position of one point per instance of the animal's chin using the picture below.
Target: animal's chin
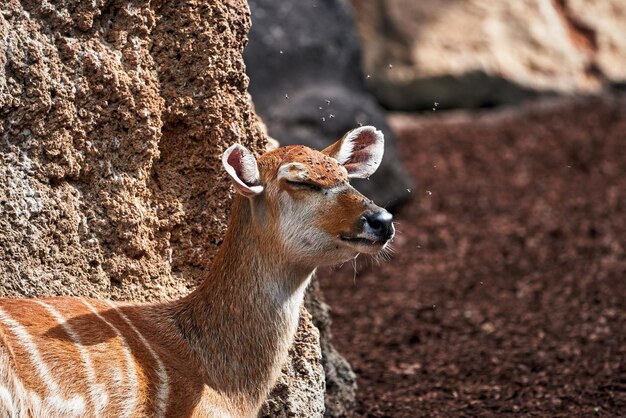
(363, 245)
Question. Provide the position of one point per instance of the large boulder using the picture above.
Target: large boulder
(113, 117)
(480, 53)
(303, 60)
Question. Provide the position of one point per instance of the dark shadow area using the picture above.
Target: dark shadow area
(473, 90)
(303, 59)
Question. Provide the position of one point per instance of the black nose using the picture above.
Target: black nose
(380, 224)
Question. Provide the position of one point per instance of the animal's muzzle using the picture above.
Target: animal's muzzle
(379, 224)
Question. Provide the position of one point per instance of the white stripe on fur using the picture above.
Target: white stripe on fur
(132, 372)
(164, 388)
(75, 406)
(97, 392)
(6, 402)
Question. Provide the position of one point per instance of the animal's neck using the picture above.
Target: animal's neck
(241, 320)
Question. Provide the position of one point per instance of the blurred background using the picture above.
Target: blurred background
(505, 165)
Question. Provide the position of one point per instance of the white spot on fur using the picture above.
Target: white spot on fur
(75, 406)
(292, 171)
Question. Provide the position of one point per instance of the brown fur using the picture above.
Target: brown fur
(347, 210)
(323, 170)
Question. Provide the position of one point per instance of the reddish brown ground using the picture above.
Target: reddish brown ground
(507, 292)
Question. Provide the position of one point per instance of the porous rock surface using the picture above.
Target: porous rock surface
(479, 53)
(341, 382)
(303, 60)
(113, 117)
(299, 392)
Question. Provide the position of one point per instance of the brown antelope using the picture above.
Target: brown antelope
(218, 351)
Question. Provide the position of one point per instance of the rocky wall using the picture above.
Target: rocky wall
(113, 118)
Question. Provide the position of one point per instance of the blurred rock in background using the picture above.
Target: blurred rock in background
(303, 59)
(477, 53)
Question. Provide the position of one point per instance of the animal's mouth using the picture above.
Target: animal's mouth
(359, 240)
(363, 244)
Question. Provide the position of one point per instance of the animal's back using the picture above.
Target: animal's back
(59, 360)
(78, 357)
(75, 357)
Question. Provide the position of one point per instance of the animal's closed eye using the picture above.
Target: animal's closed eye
(303, 185)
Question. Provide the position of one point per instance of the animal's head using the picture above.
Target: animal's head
(302, 200)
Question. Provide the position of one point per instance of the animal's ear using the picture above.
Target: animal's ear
(360, 151)
(241, 166)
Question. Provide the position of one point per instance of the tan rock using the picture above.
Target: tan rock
(300, 392)
(341, 384)
(113, 117)
(479, 52)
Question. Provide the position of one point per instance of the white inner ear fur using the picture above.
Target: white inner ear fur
(247, 178)
(293, 171)
(367, 158)
(345, 151)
